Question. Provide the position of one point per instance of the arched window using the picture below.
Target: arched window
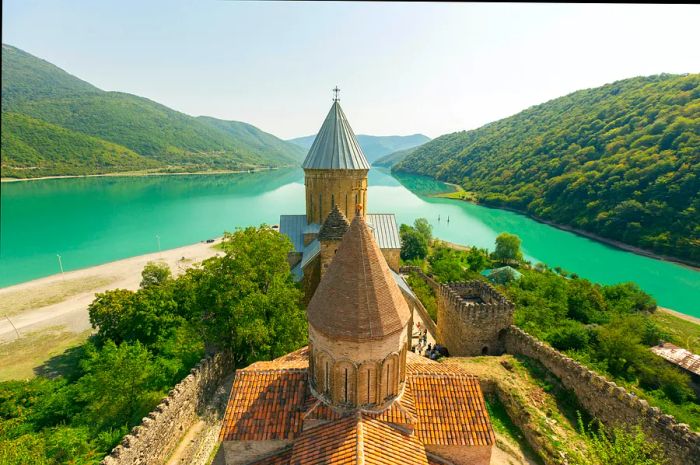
(367, 383)
(345, 383)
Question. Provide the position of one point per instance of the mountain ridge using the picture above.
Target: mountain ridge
(621, 161)
(175, 141)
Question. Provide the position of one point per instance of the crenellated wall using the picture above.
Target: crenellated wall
(471, 318)
(155, 439)
(610, 403)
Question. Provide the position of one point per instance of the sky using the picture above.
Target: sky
(403, 68)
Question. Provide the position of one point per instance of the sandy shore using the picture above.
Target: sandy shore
(71, 312)
(682, 316)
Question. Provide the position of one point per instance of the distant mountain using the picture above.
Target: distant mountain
(374, 147)
(621, 161)
(162, 138)
(392, 159)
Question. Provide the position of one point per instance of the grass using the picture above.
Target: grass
(459, 194)
(503, 425)
(15, 302)
(30, 355)
(682, 333)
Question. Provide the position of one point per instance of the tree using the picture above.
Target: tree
(413, 244)
(508, 248)
(424, 228)
(119, 386)
(478, 259)
(249, 302)
(155, 274)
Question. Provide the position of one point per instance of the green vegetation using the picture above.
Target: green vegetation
(618, 446)
(146, 342)
(61, 125)
(36, 148)
(680, 332)
(608, 328)
(415, 240)
(425, 294)
(394, 158)
(621, 161)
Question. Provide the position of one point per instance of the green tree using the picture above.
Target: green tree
(414, 246)
(508, 248)
(249, 302)
(155, 274)
(424, 228)
(120, 384)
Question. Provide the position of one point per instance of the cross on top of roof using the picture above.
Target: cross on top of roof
(336, 90)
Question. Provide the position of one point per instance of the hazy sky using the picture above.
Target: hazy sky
(402, 68)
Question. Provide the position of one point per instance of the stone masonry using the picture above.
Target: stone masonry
(610, 403)
(472, 317)
(152, 442)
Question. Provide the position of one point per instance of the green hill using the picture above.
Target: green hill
(393, 158)
(374, 147)
(172, 140)
(42, 149)
(621, 161)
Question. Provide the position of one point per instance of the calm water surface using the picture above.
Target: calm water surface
(89, 221)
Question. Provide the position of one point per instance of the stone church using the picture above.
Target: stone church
(356, 394)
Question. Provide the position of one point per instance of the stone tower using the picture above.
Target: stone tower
(359, 327)
(335, 170)
(330, 235)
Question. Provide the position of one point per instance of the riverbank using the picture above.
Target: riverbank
(61, 300)
(460, 194)
(144, 173)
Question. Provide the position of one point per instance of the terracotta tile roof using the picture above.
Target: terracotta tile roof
(279, 458)
(358, 298)
(357, 439)
(441, 405)
(298, 359)
(265, 405)
(450, 409)
(335, 226)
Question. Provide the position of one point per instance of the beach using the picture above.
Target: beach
(61, 300)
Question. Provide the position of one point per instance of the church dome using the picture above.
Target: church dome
(358, 298)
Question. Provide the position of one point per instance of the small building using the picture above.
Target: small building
(682, 358)
(502, 275)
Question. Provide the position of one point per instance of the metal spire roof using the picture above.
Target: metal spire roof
(335, 146)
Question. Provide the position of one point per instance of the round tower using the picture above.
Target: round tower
(359, 327)
(335, 170)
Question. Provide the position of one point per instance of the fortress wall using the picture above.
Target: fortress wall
(610, 403)
(468, 328)
(158, 435)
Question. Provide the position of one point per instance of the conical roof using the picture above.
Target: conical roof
(358, 299)
(335, 146)
(335, 226)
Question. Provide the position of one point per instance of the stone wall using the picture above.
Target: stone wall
(155, 439)
(325, 188)
(470, 328)
(610, 403)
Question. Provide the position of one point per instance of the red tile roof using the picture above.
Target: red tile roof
(265, 405)
(441, 405)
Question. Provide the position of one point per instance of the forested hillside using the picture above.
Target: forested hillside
(159, 136)
(621, 161)
(393, 158)
(374, 147)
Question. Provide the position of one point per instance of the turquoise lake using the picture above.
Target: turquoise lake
(90, 221)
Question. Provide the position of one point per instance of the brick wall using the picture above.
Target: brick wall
(155, 439)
